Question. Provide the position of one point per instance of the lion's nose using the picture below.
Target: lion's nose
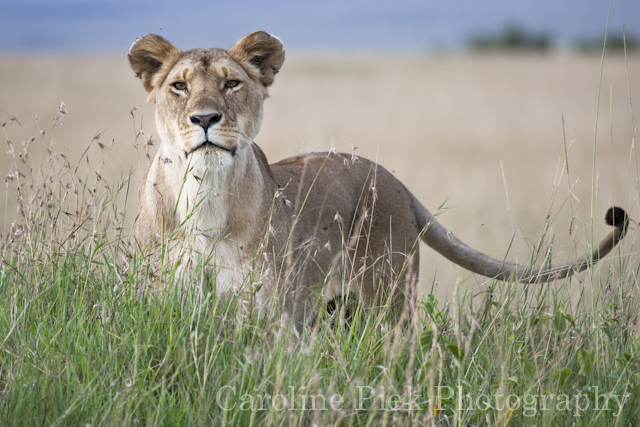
(206, 120)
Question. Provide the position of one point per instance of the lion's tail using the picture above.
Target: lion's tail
(443, 241)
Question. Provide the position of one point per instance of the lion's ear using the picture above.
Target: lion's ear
(261, 50)
(148, 55)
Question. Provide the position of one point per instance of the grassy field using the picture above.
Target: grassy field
(483, 133)
(85, 341)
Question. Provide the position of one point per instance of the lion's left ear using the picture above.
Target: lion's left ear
(261, 50)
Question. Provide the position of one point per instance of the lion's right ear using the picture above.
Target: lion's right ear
(149, 55)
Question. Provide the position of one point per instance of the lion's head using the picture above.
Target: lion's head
(208, 100)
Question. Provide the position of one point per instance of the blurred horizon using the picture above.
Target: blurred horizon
(107, 26)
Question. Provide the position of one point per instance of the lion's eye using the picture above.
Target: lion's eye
(180, 85)
(231, 83)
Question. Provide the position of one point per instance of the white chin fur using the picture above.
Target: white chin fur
(210, 158)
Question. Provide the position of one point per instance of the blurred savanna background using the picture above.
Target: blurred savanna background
(477, 109)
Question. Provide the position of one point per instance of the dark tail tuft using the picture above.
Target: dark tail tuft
(617, 217)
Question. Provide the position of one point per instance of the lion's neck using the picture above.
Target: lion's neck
(224, 198)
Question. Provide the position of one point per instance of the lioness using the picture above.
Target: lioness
(323, 225)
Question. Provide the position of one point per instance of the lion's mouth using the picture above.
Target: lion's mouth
(208, 146)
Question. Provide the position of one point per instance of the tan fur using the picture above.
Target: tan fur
(325, 224)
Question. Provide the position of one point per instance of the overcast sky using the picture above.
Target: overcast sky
(112, 25)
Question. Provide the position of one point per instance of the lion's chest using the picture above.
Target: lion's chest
(208, 210)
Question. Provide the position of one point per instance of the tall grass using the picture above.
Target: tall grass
(86, 338)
